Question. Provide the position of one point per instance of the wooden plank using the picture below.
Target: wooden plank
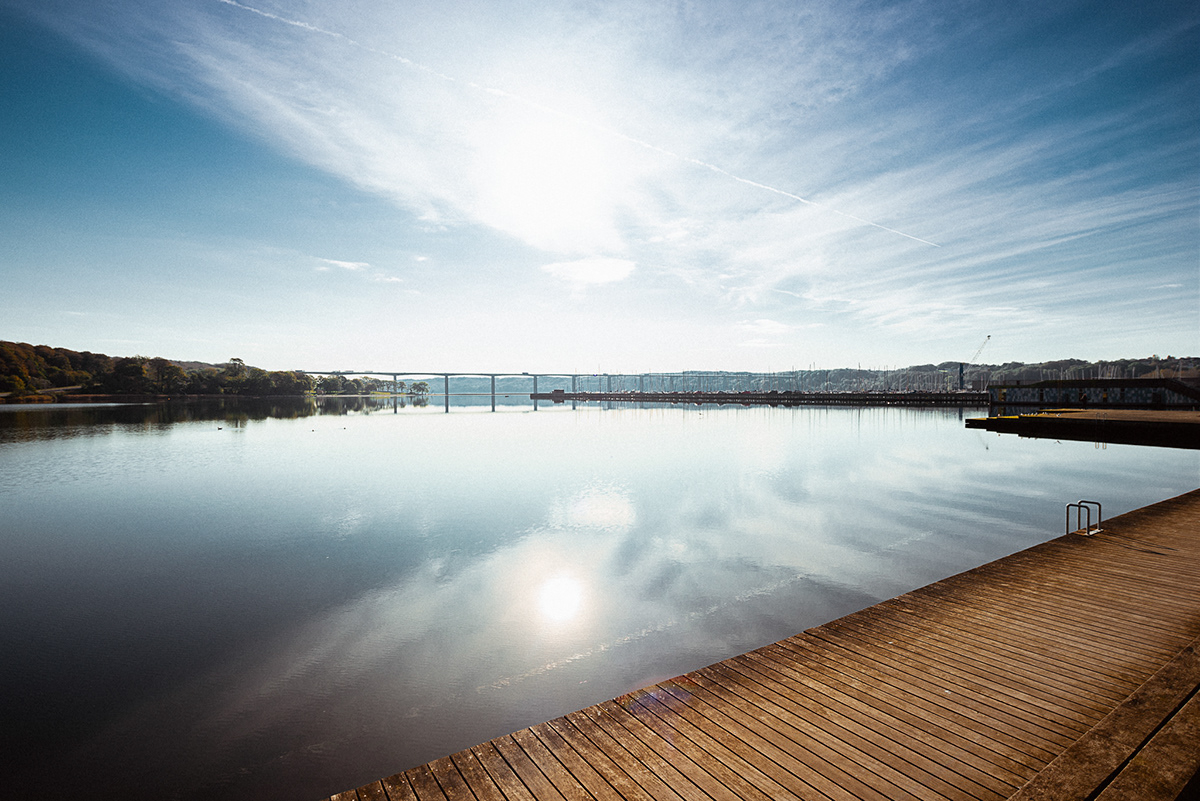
(551, 767)
(476, 777)
(1060, 679)
(398, 788)
(894, 767)
(500, 773)
(1162, 768)
(1110, 555)
(831, 774)
(1107, 649)
(724, 748)
(939, 744)
(1036, 645)
(710, 775)
(1088, 762)
(970, 697)
(1076, 586)
(1018, 626)
(653, 774)
(1082, 606)
(372, 792)
(1102, 564)
(1021, 655)
(531, 776)
(654, 783)
(610, 764)
(450, 780)
(926, 699)
(425, 784)
(943, 728)
(1031, 696)
(880, 737)
(585, 766)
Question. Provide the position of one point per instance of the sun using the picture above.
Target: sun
(560, 598)
(552, 181)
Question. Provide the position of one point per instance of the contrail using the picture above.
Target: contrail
(416, 65)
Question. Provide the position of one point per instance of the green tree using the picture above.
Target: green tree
(235, 367)
(166, 376)
(205, 381)
(331, 384)
(130, 377)
(293, 383)
(255, 382)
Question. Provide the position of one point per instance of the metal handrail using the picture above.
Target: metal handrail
(1081, 507)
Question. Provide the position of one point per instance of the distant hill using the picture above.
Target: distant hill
(33, 369)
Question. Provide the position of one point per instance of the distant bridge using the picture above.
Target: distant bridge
(447, 376)
(604, 382)
(790, 388)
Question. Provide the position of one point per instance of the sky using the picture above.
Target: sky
(587, 186)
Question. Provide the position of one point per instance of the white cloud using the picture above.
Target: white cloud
(766, 328)
(592, 270)
(353, 266)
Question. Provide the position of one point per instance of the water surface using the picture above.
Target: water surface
(233, 601)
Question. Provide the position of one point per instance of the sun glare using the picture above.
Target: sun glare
(560, 598)
(552, 181)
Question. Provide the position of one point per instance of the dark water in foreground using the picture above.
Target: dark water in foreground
(239, 602)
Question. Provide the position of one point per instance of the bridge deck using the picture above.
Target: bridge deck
(1052, 673)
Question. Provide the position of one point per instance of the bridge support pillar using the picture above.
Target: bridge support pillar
(446, 386)
(493, 393)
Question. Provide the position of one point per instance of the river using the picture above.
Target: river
(224, 600)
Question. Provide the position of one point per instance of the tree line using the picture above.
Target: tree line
(30, 369)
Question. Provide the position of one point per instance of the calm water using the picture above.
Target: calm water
(217, 603)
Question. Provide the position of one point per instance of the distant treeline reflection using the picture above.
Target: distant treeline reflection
(89, 419)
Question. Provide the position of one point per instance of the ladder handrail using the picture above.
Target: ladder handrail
(1081, 507)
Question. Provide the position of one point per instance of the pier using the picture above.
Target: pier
(1067, 670)
(774, 398)
(1160, 428)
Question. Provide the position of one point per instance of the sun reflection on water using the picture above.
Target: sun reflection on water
(560, 598)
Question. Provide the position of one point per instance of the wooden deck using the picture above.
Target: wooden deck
(1166, 428)
(1068, 670)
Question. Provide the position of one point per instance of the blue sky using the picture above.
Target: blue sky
(619, 186)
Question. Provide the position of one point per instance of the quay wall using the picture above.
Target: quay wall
(1116, 394)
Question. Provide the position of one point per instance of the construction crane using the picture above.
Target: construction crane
(962, 366)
